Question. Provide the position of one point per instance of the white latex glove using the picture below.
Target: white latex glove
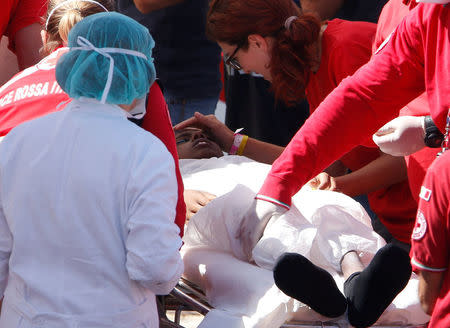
(402, 136)
(254, 222)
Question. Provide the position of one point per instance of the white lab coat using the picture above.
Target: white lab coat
(87, 232)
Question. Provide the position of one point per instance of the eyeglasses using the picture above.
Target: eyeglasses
(232, 61)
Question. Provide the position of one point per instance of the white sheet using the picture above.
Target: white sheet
(321, 225)
(244, 295)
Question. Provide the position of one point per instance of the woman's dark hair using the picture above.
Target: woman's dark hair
(294, 50)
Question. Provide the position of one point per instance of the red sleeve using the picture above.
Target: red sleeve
(27, 12)
(353, 111)
(431, 234)
(157, 121)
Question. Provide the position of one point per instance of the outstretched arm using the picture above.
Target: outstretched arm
(383, 172)
(24, 31)
(27, 44)
(255, 149)
(147, 6)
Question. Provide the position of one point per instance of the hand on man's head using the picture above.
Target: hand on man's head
(217, 130)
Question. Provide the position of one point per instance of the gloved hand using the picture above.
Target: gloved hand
(254, 222)
(402, 136)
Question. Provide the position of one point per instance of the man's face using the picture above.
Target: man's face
(193, 143)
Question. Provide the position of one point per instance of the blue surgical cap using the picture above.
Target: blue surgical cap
(83, 71)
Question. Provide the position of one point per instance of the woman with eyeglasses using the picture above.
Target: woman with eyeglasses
(303, 57)
(303, 53)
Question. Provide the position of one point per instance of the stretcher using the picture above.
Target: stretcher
(191, 298)
(232, 293)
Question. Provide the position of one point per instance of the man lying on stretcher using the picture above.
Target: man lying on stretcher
(368, 289)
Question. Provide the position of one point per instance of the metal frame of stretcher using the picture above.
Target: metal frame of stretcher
(192, 298)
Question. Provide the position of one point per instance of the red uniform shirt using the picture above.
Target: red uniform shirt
(17, 14)
(31, 93)
(415, 59)
(34, 92)
(431, 235)
(392, 14)
(346, 46)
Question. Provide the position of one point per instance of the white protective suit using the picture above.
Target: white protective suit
(87, 232)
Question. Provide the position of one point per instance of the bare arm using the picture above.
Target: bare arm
(27, 43)
(262, 151)
(430, 284)
(336, 169)
(257, 150)
(146, 6)
(383, 172)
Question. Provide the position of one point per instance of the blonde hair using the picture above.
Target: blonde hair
(62, 15)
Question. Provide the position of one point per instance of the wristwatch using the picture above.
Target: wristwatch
(433, 137)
